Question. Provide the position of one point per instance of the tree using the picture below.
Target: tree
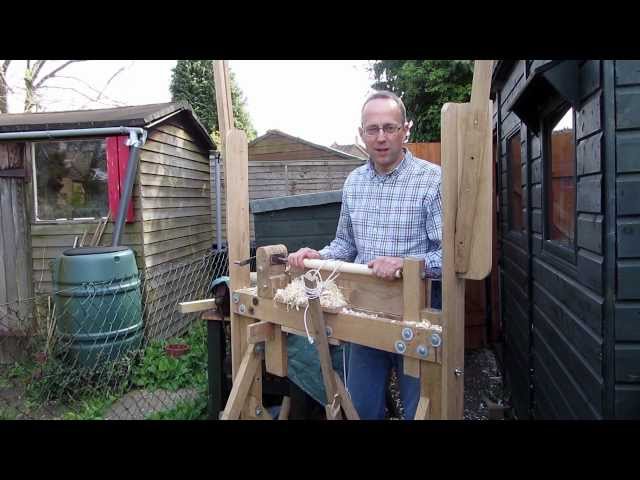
(36, 79)
(192, 81)
(424, 86)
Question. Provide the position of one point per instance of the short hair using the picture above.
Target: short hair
(385, 94)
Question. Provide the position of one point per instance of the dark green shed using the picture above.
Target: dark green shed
(567, 141)
(298, 220)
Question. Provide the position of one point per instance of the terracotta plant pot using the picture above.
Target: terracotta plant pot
(40, 358)
(176, 349)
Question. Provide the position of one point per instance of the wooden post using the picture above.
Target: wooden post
(235, 154)
(414, 297)
(316, 320)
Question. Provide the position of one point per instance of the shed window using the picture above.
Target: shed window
(516, 221)
(561, 211)
(78, 179)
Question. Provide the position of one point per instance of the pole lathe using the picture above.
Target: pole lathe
(431, 341)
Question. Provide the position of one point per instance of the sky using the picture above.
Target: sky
(317, 100)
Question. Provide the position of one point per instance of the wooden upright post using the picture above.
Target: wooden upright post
(236, 166)
(466, 230)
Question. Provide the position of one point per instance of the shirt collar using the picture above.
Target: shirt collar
(393, 173)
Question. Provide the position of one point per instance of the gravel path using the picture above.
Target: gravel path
(482, 387)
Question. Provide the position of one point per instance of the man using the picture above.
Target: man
(391, 209)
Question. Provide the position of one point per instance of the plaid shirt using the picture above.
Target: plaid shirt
(398, 214)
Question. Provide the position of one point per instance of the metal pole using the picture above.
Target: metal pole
(77, 132)
(216, 158)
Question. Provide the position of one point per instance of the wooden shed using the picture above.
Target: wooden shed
(52, 191)
(567, 135)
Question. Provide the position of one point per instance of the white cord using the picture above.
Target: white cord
(313, 293)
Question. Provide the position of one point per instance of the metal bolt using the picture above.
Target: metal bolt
(242, 308)
(329, 331)
(436, 340)
(407, 334)
(236, 297)
(423, 351)
(254, 300)
(400, 346)
(258, 411)
(458, 372)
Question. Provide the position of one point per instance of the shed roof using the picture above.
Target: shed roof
(295, 201)
(130, 116)
(353, 149)
(274, 132)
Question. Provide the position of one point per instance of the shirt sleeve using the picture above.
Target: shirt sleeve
(433, 257)
(343, 247)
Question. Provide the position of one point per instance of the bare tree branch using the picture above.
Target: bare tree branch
(109, 81)
(37, 67)
(3, 78)
(75, 90)
(53, 72)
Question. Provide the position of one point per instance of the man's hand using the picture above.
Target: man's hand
(386, 267)
(296, 259)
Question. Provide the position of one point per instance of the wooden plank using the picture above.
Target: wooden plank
(224, 104)
(276, 353)
(285, 408)
(628, 194)
(175, 255)
(171, 161)
(44, 241)
(177, 129)
(160, 136)
(173, 182)
(238, 230)
(172, 223)
(260, 332)
(176, 192)
(157, 203)
(77, 228)
(10, 241)
(197, 305)
(242, 383)
(255, 164)
(589, 194)
(414, 300)
(168, 171)
(319, 334)
(380, 333)
(174, 153)
(453, 288)
(176, 212)
(170, 234)
(473, 219)
(627, 148)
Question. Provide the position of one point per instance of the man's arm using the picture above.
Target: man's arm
(433, 257)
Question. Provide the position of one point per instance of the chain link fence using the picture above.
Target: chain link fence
(118, 349)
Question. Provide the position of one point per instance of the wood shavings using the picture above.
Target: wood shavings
(294, 295)
(357, 313)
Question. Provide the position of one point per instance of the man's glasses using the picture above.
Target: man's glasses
(389, 129)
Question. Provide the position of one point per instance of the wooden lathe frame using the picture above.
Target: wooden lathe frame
(431, 341)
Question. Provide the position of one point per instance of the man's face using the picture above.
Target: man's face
(385, 149)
